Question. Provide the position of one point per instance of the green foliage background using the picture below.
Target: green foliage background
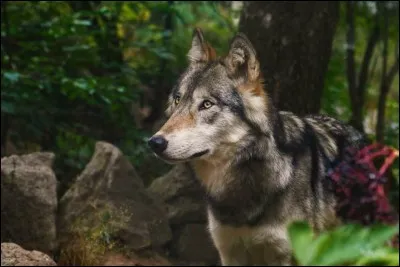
(71, 71)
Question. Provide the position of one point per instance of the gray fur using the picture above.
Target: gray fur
(262, 169)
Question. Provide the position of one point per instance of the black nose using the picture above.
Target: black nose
(158, 143)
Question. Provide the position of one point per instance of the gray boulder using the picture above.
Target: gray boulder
(110, 191)
(14, 255)
(29, 201)
(184, 200)
(182, 195)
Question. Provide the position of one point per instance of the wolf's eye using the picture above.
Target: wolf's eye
(206, 104)
(177, 99)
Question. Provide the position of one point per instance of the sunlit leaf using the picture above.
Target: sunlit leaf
(82, 22)
(13, 77)
(346, 244)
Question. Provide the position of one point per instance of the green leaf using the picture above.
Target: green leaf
(380, 234)
(106, 99)
(82, 84)
(13, 77)
(351, 243)
(7, 107)
(382, 256)
(82, 22)
(76, 47)
(301, 237)
(344, 245)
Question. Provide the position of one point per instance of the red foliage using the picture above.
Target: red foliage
(359, 186)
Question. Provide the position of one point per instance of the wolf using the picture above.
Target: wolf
(261, 168)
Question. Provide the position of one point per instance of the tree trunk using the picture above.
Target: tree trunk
(4, 132)
(387, 81)
(294, 42)
(387, 77)
(380, 125)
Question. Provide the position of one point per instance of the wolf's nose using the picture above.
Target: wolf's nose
(158, 143)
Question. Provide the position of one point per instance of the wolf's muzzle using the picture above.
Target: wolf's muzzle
(158, 144)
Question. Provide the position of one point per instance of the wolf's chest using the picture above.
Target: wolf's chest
(258, 244)
(213, 177)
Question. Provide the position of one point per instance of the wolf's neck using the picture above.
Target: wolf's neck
(244, 182)
(239, 192)
(255, 155)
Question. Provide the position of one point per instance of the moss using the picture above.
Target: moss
(87, 243)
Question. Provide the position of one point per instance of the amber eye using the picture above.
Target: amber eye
(206, 105)
(177, 99)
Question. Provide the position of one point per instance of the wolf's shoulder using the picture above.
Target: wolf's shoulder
(337, 128)
(327, 129)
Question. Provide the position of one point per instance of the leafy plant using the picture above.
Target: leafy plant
(350, 244)
(89, 239)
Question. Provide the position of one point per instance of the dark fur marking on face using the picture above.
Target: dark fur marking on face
(235, 104)
(192, 84)
(197, 77)
(178, 84)
(211, 119)
(175, 92)
(217, 99)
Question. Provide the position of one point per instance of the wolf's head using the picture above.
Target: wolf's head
(214, 105)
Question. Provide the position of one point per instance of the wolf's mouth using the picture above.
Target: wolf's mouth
(199, 154)
(175, 160)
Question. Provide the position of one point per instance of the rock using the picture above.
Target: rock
(182, 195)
(180, 181)
(110, 189)
(118, 259)
(183, 198)
(14, 255)
(186, 210)
(29, 201)
(194, 244)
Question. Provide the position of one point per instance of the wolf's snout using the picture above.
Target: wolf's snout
(158, 143)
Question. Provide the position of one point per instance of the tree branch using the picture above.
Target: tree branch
(385, 45)
(351, 77)
(392, 73)
(384, 87)
(372, 70)
(363, 75)
(356, 119)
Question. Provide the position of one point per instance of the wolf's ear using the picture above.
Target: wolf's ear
(200, 51)
(242, 58)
